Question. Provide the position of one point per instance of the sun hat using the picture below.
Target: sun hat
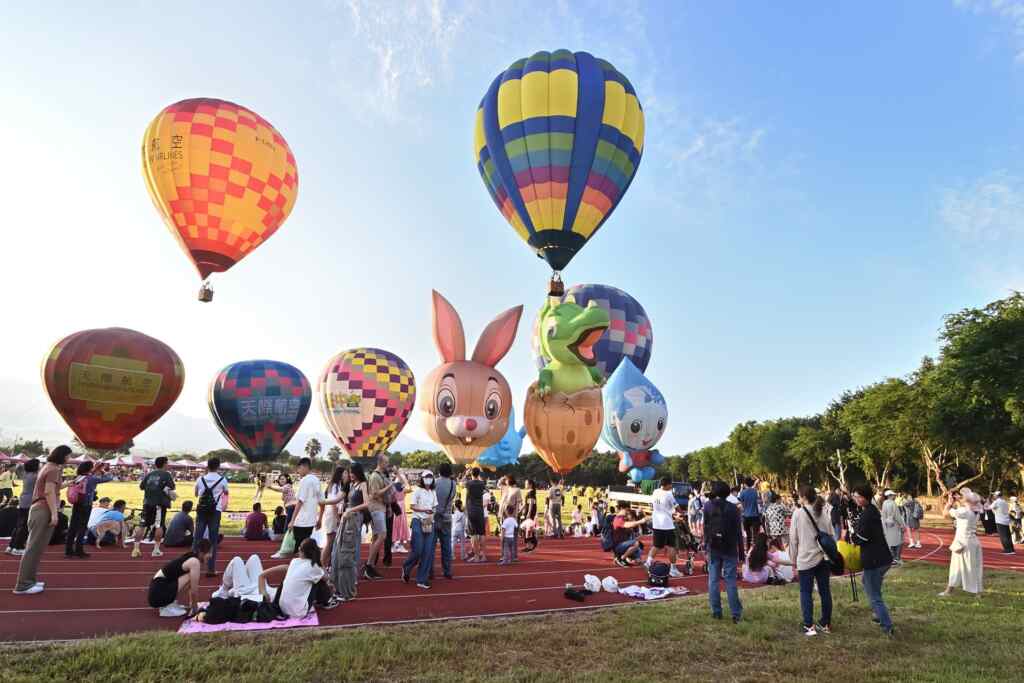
(610, 584)
(592, 583)
(997, 493)
(889, 492)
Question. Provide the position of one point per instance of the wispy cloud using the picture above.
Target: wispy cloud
(1009, 11)
(987, 209)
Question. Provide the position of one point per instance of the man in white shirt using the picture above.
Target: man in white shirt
(307, 505)
(1001, 511)
(663, 504)
(212, 484)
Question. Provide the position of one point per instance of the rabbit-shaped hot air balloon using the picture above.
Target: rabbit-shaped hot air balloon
(466, 403)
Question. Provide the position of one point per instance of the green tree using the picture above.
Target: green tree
(877, 429)
(430, 460)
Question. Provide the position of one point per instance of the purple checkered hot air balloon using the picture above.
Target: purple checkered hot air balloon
(628, 336)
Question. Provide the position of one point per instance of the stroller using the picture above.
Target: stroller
(688, 543)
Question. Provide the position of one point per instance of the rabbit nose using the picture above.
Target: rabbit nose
(470, 424)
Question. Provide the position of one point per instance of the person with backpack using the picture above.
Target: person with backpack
(157, 486)
(723, 543)
(210, 489)
(812, 564)
(80, 495)
(555, 508)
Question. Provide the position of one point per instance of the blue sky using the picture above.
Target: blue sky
(820, 185)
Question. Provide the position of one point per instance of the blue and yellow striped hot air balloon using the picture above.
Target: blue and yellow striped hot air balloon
(558, 140)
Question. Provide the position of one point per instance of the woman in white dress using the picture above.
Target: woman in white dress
(965, 568)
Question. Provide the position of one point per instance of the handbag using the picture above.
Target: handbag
(427, 524)
(956, 546)
(288, 543)
(827, 544)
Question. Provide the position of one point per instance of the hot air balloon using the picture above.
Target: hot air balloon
(222, 178)
(258, 405)
(629, 334)
(366, 396)
(110, 384)
(635, 417)
(558, 139)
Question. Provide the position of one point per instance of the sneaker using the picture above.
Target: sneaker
(157, 552)
(405, 576)
(7, 550)
(369, 574)
(737, 620)
(621, 562)
(876, 620)
(278, 556)
(18, 552)
(647, 565)
(825, 628)
(173, 610)
(1010, 552)
(891, 633)
(149, 542)
(30, 591)
(809, 631)
(424, 586)
(675, 573)
(332, 603)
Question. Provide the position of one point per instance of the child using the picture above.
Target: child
(459, 530)
(508, 536)
(529, 535)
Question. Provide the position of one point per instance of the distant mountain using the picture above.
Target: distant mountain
(26, 413)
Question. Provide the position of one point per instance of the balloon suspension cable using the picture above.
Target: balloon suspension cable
(205, 292)
(556, 288)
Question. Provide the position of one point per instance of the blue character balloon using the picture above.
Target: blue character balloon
(506, 451)
(635, 415)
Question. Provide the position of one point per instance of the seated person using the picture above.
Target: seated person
(280, 524)
(60, 532)
(112, 521)
(174, 579)
(242, 580)
(757, 569)
(180, 530)
(256, 525)
(8, 518)
(779, 557)
(304, 584)
(628, 547)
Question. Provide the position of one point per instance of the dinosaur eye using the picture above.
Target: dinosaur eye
(635, 426)
(492, 406)
(445, 402)
(661, 423)
(552, 329)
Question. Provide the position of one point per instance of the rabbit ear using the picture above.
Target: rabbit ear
(449, 338)
(497, 338)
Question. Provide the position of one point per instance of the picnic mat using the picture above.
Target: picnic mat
(193, 626)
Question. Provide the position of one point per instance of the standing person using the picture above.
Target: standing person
(750, 501)
(29, 472)
(892, 523)
(329, 513)
(261, 483)
(508, 536)
(81, 511)
(775, 515)
(530, 498)
(181, 529)
(6, 484)
(555, 495)
(512, 496)
(663, 505)
(157, 486)
(42, 519)
(811, 563)
(965, 562)
(835, 512)
(444, 490)
(459, 530)
(1001, 511)
(378, 487)
(476, 513)
(284, 487)
(344, 558)
(695, 513)
(209, 489)
(180, 576)
(914, 513)
(1016, 530)
(307, 503)
(723, 538)
(400, 535)
(874, 553)
(423, 504)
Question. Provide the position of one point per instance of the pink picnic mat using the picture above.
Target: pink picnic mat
(193, 626)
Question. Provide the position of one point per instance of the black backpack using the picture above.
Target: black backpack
(207, 503)
(658, 575)
(714, 526)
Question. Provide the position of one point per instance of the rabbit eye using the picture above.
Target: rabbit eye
(635, 426)
(492, 406)
(661, 423)
(445, 402)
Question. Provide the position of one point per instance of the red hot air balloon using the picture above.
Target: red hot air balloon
(111, 384)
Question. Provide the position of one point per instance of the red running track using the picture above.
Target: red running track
(106, 594)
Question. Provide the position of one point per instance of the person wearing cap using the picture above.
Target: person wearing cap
(893, 525)
(965, 565)
(1001, 511)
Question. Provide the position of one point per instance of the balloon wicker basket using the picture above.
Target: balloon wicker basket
(205, 293)
(564, 428)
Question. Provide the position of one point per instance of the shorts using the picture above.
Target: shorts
(378, 522)
(475, 517)
(913, 523)
(162, 592)
(153, 515)
(6, 493)
(664, 537)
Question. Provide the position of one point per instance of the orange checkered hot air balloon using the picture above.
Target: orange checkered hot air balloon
(222, 178)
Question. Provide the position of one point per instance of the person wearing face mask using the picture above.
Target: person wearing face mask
(422, 505)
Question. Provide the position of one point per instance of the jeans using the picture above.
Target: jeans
(896, 551)
(508, 549)
(208, 522)
(556, 521)
(442, 535)
(723, 566)
(808, 577)
(1004, 537)
(77, 528)
(871, 579)
(421, 553)
(751, 525)
(621, 548)
(20, 530)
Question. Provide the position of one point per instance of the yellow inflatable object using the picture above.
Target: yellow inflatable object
(851, 556)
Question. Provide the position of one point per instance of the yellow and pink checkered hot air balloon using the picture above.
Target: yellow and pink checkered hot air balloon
(223, 179)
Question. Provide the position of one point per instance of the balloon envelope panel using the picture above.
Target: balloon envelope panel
(110, 384)
(222, 178)
(558, 139)
(259, 405)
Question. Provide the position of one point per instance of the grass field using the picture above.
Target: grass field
(936, 640)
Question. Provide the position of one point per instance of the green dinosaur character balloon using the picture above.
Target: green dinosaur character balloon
(568, 333)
